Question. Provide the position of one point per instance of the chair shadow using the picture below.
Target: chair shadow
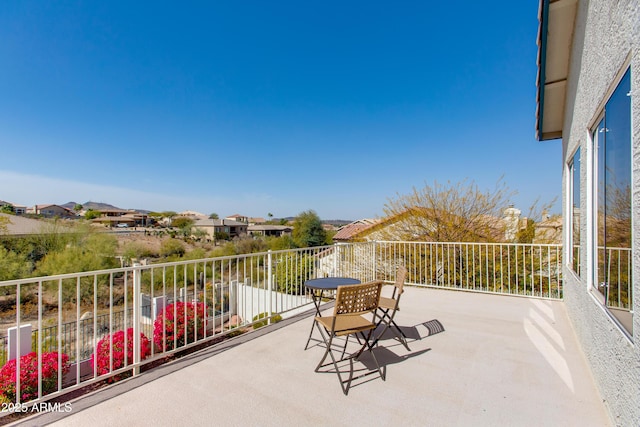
(383, 354)
(413, 333)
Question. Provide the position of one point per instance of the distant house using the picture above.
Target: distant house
(213, 226)
(192, 215)
(113, 217)
(269, 230)
(17, 209)
(52, 211)
(549, 230)
(238, 218)
(347, 232)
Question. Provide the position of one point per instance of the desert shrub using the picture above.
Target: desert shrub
(137, 250)
(102, 357)
(274, 319)
(181, 321)
(29, 376)
(170, 247)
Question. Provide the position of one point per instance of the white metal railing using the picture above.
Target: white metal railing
(71, 313)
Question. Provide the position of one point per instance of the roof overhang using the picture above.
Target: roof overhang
(555, 37)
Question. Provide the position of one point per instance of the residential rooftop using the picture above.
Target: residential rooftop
(476, 360)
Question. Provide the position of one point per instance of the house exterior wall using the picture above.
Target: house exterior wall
(50, 211)
(606, 42)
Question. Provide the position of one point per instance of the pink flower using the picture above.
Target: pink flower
(181, 321)
(102, 357)
(29, 375)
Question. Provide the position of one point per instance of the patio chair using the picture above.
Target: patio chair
(388, 306)
(353, 303)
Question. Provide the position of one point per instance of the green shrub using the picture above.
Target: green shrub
(275, 319)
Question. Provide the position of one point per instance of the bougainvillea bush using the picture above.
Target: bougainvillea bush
(103, 353)
(180, 321)
(29, 376)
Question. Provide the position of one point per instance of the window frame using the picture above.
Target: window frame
(592, 194)
(571, 202)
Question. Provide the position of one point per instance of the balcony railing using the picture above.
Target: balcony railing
(71, 313)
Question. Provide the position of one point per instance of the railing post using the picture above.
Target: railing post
(137, 301)
(375, 260)
(336, 256)
(270, 281)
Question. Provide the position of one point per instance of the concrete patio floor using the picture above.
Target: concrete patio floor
(475, 360)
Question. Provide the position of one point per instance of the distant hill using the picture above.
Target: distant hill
(336, 222)
(100, 206)
(90, 205)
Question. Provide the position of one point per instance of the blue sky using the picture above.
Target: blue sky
(275, 107)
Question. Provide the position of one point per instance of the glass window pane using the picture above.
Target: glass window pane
(575, 216)
(612, 146)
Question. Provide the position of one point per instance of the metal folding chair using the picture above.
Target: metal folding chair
(388, 306)
(352, 304)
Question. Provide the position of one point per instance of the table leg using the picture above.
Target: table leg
(317, 299)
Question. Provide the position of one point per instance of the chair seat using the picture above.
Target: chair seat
(387, 303)
(346, 325)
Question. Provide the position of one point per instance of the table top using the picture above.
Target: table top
(330, 282)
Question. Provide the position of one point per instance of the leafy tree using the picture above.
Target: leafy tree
(292, 271)
(78, 207)
(221, 235)
(91, 214)
(329, 238)
(308, 230)
(214, 216)
(182, 222)
(282, 242)
(168, 214)
(459, 212)
(8, 209)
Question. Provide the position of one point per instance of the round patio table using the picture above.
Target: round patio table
(319, 286)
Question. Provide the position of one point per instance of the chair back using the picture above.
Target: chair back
(401, 277)
(357, 299)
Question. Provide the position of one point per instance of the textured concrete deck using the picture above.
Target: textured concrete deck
(475, 360)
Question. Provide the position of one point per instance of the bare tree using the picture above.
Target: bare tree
(451, 212)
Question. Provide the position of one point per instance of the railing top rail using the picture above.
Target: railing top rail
(552, 245)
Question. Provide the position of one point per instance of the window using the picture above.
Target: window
(612, 199)
(574, 216)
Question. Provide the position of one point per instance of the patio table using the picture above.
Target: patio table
(318, 288)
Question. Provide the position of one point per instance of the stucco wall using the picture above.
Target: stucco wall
(606, 39)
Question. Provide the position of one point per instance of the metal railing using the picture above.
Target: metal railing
(515, 269)
(72, 312)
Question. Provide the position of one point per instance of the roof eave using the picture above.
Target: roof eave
(555, 38)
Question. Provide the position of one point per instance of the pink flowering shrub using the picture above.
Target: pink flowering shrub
(103, 352)
(182, 327)
(29, 376)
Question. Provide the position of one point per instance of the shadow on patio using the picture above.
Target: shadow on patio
(475, 360)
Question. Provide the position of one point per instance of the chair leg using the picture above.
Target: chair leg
(345, 384)
(373, 356)
(388, 322)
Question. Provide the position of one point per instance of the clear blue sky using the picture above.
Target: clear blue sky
(258, 107)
